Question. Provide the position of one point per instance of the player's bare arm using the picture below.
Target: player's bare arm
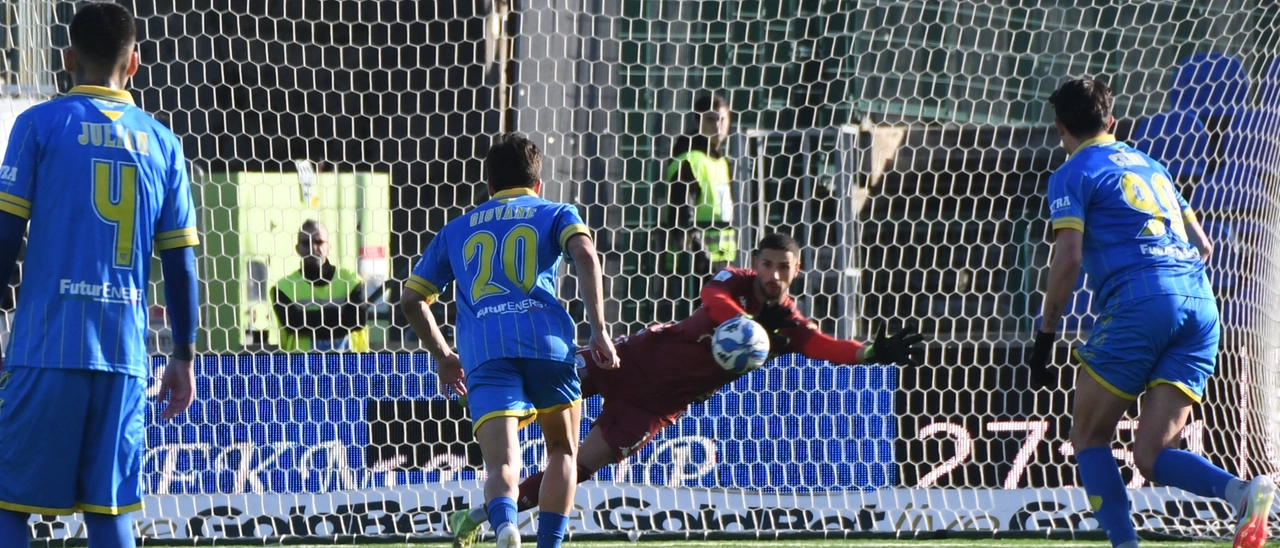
(1197, 236)
(1068, 249)
(417, 309)
(583, 252)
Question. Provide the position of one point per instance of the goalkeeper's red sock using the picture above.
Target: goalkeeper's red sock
(529, 489)
(532, 486)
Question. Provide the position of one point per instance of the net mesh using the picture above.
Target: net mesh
(906, 145)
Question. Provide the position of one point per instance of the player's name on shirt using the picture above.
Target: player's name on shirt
(114, 136)
(510, 307)
(501, 213)
(1128, 159)
(106, 292)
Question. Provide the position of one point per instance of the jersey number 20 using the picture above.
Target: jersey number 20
(115, 188)
(1156, 198)
(519, 260)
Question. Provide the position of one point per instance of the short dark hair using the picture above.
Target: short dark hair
(709, 102)
(103, 34)
(513, 162)
(1083, 105)
(778, 241)
(307, 232)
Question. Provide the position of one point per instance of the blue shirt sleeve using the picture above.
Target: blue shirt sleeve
(18, 172)
(180, 293)
(568, 224)
(176, 226)
(1067, 198)
(432, 275)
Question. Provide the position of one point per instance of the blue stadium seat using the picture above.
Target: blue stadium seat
(1224, 265)
(1210, 84)
(1269, 88)
(1247, 151)
(1176, 139)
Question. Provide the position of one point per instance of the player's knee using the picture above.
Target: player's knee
(561, 448)
(1145, 459)
(1083, 437)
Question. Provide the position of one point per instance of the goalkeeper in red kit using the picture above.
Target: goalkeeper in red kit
(670, 367)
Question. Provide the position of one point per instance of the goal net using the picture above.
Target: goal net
(906, 145)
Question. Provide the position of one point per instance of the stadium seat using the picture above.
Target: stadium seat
(1210, 84)
(1248, 149)
(1176, 139)
(1269, 88)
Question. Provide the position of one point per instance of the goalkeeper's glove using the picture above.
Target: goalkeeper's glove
(902, 347)
(773, 317)
(1041, 353)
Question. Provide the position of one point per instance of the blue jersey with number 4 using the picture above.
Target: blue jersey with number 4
(504, 255)
(1133, 220)
(103, 184)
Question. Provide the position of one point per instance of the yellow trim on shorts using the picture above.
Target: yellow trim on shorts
(1184, 388)
(1103, 382)
(525, 417)
(560, 407)
(108, 510)
(79, 507)
(36, 509)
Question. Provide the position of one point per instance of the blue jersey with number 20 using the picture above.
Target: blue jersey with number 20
(103, 184)
(504, 255)
(1133, 220)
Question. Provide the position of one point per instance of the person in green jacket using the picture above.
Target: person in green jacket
(320, 306)
(698, 237)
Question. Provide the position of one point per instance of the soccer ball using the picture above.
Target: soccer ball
(740, 345)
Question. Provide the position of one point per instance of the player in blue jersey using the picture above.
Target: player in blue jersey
(1115, 211)
(102, 185)
(516, 351)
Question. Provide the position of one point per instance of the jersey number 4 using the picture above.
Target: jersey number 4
(519, 260)
(1156, 198)
(115, 189)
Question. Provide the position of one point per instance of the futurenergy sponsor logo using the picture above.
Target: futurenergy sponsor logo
(105, 291)
(510, 308)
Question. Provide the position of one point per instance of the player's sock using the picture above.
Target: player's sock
(1107, 494)
(529, 491)
(1235, 490)
(106, 531)
(13, 528)
(551, 527)
(502, 510)
(479, 514)
(584, 473)
(1191, 472)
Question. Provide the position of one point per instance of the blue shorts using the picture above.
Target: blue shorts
(521, 388)
(72, 441)
(1160, 339)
